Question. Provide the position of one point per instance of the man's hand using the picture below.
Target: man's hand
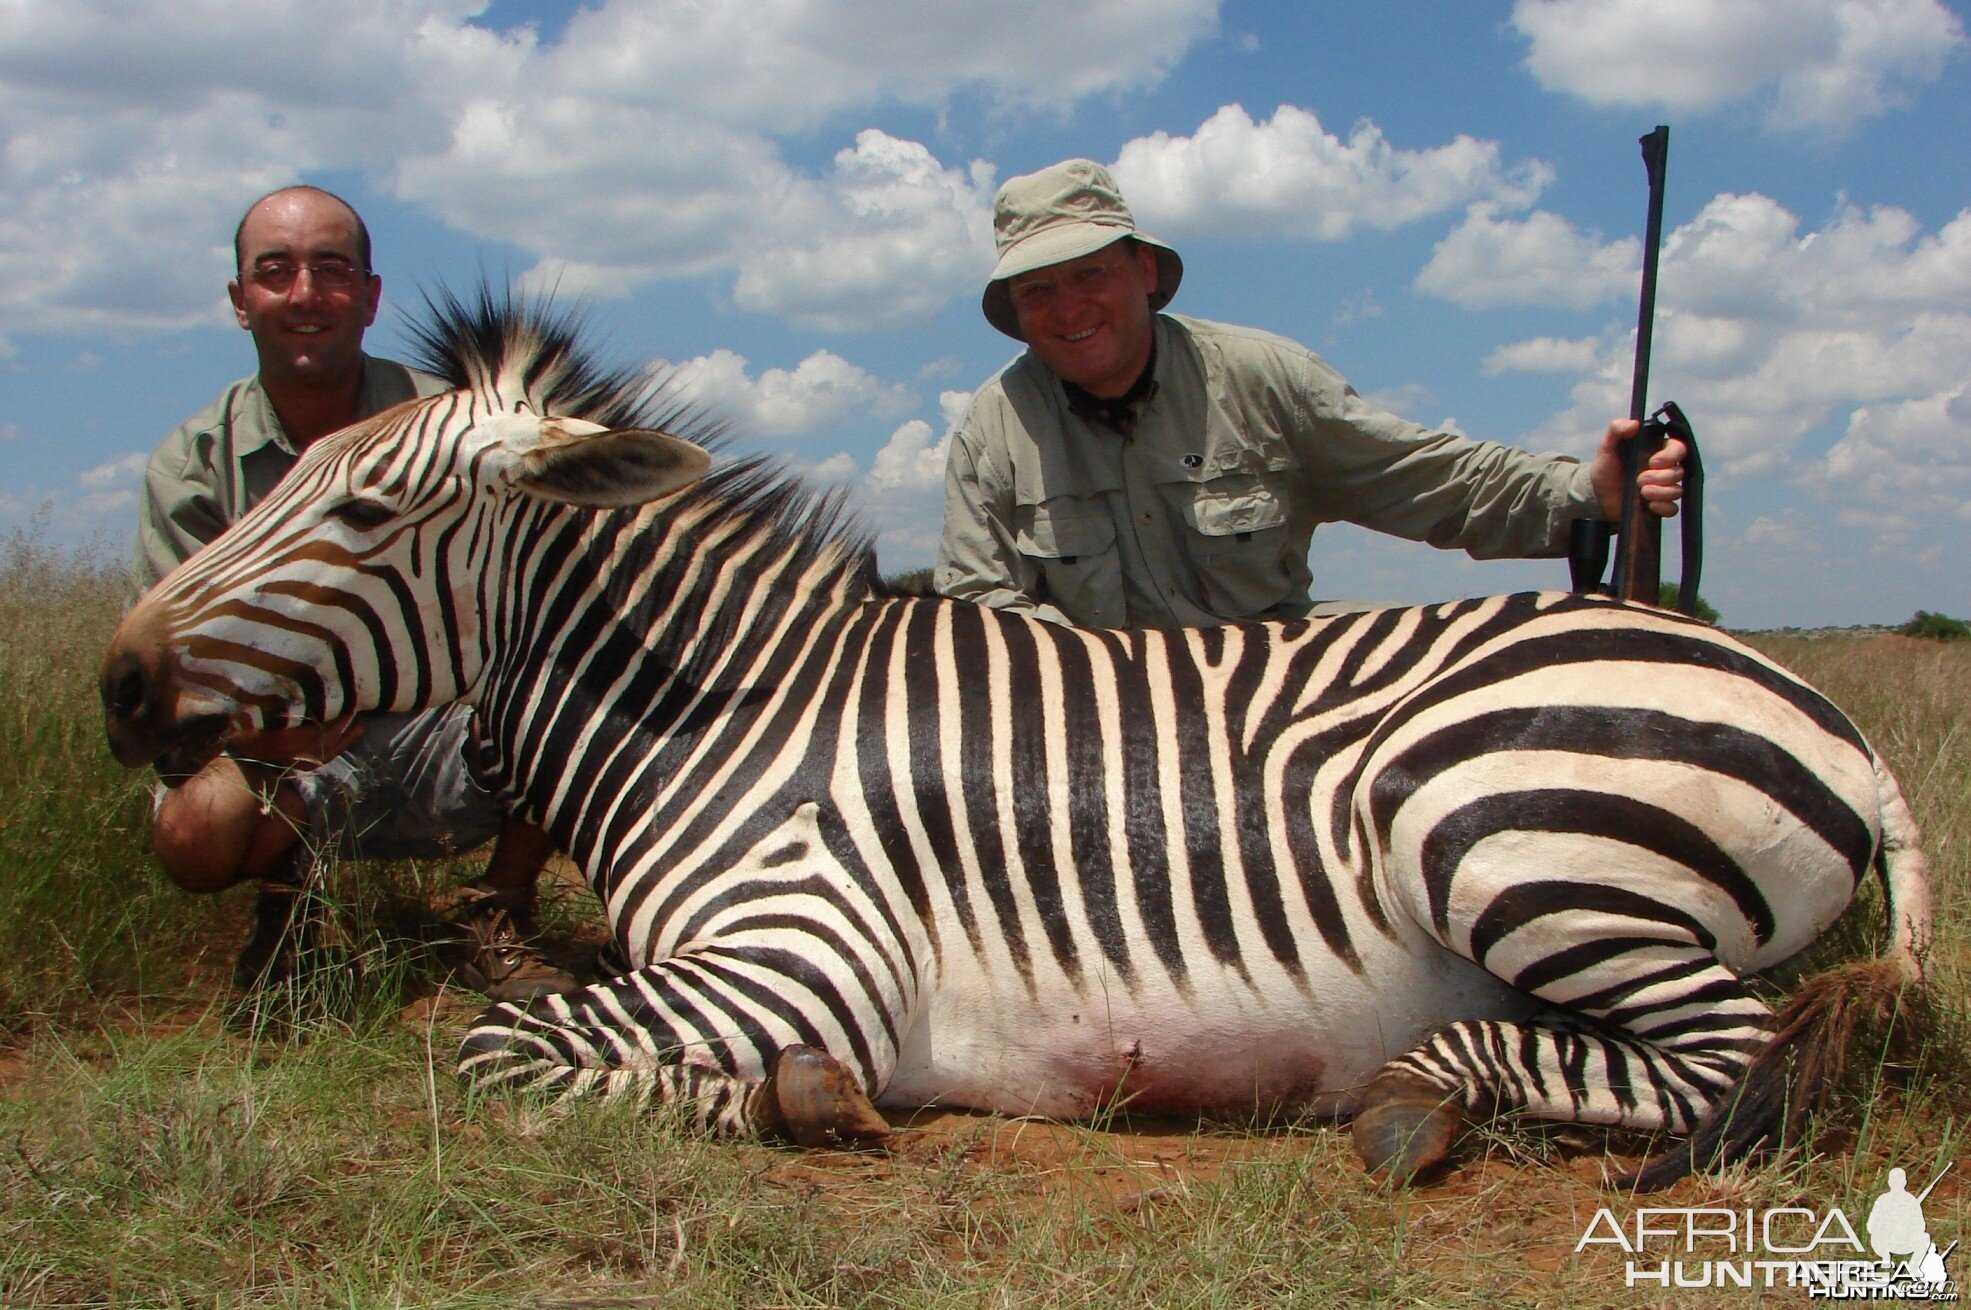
(303, 746)
(1662, 482)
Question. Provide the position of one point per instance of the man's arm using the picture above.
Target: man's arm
(1369, 467)
(179, 513)
(977, 556)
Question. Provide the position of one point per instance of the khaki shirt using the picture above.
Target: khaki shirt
(1206, 513)
(218, 464)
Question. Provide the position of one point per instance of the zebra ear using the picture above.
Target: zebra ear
(582, 463)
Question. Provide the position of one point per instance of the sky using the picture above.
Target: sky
(789, 203)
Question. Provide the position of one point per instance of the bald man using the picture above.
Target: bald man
(382, 787)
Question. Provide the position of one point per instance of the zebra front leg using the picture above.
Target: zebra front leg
(1675, 1031)
(602, 1041)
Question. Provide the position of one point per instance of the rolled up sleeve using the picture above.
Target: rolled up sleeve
(179, 514)
(1489, 500)
(978, 559)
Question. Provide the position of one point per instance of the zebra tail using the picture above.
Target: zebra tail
(1793, 1075)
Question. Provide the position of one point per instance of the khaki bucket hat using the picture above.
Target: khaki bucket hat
(1061, 213)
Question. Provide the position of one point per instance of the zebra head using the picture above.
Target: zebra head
(365, 580)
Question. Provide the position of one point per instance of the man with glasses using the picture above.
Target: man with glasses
(1141, 469)
(381, 787)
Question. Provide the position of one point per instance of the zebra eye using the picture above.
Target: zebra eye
(362, 514)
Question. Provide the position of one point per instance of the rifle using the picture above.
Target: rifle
(1638, 557)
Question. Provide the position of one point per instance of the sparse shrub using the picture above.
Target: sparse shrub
(1935, 627)
(1666, 596)
(914, 582)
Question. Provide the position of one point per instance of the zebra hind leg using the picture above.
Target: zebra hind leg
(1674, 1031)
(580, 1044)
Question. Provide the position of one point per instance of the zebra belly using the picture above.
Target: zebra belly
(1225, 1045)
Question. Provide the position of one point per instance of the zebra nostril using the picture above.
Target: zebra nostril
(126, 692)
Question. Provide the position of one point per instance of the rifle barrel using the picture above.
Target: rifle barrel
(1638, 556)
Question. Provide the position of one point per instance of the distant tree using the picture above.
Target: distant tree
(1666, 596)
(915, 582)
(1935, 627)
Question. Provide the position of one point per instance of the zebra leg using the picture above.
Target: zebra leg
(1672, 1031)
(602, 1041)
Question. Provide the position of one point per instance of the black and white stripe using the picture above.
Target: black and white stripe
(1524, 848)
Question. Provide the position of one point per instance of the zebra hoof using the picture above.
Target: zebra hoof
(1404, 1126)
(811, 1099)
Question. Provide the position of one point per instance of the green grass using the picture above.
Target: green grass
(82, 921)
(156, 1152)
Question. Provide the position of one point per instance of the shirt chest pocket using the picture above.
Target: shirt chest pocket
(1065, 529)
(1071, 543)
(1236, 505)
(1240, 545)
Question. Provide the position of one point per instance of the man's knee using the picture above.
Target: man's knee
(213, 830)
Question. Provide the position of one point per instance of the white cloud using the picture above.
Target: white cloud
(1765, 333)
(821, 391)
(836, 468)
(126, 473)
(1545, 355)
(953, 405)
(1818, 63)
(131, 146)
(98, 507)
(1411, 399)
(902, 494)
(1290, 176)
(791, 65)
(1541, 259)
(1909, 458)
(1358, 308)
(910, 461)
(884, 241)
(642, 142)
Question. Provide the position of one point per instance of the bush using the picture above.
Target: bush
(1666, 596)
(1935, 627)
(915, 582)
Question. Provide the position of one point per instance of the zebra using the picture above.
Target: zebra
(1514, 854)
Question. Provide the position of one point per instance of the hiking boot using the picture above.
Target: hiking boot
(286, 924)
(295, 969)
(502, 961)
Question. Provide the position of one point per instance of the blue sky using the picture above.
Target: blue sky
(789, 200)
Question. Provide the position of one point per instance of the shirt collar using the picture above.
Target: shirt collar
(1118, 413)
(266, 429)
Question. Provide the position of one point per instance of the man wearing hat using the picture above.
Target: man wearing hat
(1141, 469)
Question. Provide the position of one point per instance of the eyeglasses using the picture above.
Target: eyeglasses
(278, 275)
(1084, 281)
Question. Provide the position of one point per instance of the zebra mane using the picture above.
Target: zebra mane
(533, 347)
(517, 345)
